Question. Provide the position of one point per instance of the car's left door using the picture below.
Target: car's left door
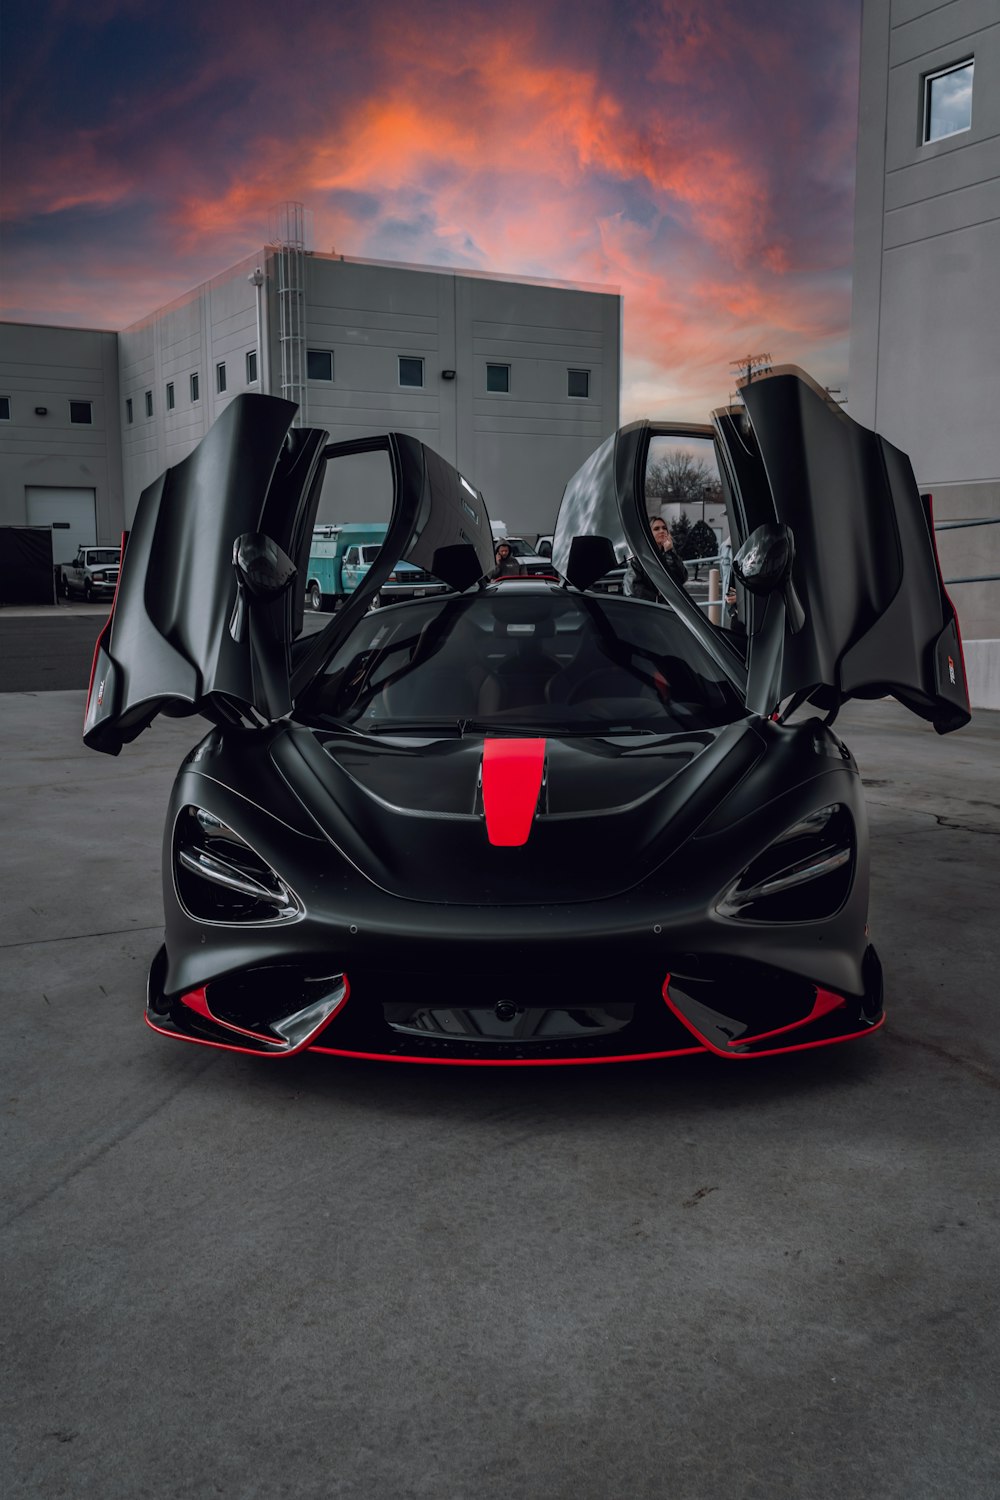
(190, 631)
(212, 584)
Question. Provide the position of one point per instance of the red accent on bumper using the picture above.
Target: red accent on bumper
(509, 1062)
(814, 1015)
(512, 780)
(826, 1001)
(197, 1001)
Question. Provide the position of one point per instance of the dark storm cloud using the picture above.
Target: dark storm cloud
(698, 157)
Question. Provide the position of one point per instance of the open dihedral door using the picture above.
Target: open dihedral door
(210, 593)
(190, 631)
(877, 618)
(603, 520)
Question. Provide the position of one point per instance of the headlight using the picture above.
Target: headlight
(219, 878)
(804, 875)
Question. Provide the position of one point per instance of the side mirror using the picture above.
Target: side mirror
(764, 565)
(262, 566)
(263, 570)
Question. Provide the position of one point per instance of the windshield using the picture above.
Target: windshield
(101, 556)
(551, 662)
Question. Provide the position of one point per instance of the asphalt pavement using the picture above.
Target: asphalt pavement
(323, 1278)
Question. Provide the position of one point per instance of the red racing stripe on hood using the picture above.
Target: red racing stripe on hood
(512, 780)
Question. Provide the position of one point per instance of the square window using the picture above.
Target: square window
(81, 412)
(4, 408)
(129, 417)
(252, 367)
(948, 101)
(498, 377)
(319, 364)
(220, 377)
(195, 387)
(578, 383)
(411, 371)
(170, 395)
(149, 403)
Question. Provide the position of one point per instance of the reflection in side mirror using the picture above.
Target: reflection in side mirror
(263, 570)
(261, 565)
(764, 564)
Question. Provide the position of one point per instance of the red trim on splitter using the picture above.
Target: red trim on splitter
(512, 781)
(826, 1001)
(827, 1041)
(509, 1062)
(197, 1001)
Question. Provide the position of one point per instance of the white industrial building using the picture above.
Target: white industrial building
(514, 382)
(925, 333)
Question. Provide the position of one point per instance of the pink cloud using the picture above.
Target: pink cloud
(676, 156)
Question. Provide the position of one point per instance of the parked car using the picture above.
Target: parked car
(93, 574)
(521, 823)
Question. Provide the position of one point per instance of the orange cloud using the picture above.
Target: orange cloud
(677, 154)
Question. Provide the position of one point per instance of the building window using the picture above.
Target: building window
(4, 408)
(220, 377)
(411, 371)
(319, 364)
(578, 383)
(81, 412)
(948, 101)
(129, 415)
(149, 403)
(252, 367)
(195, 387)
(498, 377)
(170, 395)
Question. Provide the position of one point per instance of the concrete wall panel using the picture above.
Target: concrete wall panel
(50, 367)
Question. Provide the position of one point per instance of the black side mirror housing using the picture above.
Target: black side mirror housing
(764, 565)
(263, 571)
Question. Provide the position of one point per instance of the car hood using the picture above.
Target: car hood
(408, 812)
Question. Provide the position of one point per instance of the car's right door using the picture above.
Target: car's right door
(877, 618)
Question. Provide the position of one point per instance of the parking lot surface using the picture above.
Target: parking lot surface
(316, 1277)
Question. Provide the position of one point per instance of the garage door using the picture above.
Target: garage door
(71, 512)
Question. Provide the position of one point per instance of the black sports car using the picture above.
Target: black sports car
(524, 822)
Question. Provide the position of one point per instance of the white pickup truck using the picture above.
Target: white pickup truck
(93, 573)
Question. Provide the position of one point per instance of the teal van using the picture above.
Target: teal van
(339, 558)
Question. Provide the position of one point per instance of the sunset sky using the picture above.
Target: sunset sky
(697, 155)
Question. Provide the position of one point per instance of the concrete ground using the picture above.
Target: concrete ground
(321, 1278)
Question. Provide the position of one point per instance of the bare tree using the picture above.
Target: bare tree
(679, 478)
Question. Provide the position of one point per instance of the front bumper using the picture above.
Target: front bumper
(513, 1020)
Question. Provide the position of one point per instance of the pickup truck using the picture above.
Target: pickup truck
(93, 573)
(339, 558)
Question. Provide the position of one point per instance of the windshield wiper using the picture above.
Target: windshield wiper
(411, 726)
(454, 726)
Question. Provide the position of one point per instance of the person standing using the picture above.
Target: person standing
(507, 565)
(637, 585)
